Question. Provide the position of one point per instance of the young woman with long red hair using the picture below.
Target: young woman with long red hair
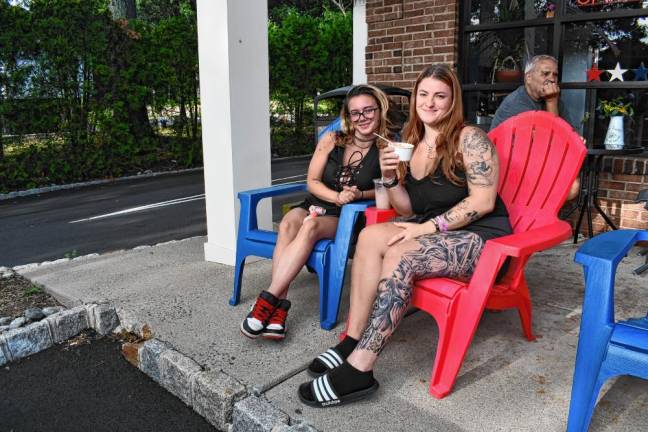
(447, 196)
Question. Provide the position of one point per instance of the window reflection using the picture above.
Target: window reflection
(499, 11)
(604, 43)
(500, 56)
(587, 6)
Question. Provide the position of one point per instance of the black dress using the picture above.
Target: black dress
(434, 195)
(360, 172)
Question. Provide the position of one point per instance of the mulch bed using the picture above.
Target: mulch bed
(18, 293)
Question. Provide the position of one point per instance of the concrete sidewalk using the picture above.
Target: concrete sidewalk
(505, 384)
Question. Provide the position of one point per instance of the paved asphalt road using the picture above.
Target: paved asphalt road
(88, 388)
(82, 221)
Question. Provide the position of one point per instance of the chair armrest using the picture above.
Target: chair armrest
(273, 191)
(611, 246)
(534, 240)
(339, 249)
(375, 215)
(250, 199)
(348, 217)
(519, 245)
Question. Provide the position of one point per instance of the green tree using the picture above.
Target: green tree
(308, 54)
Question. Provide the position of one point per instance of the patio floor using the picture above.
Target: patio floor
(505, 384)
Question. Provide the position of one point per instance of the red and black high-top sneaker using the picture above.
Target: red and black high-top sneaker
(259, 315)
(276, 327)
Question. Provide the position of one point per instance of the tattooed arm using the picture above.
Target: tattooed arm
(316, 170)
(482, 173)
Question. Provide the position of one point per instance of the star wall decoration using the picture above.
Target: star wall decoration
(641, 73)
(617, 72)
(594, 73)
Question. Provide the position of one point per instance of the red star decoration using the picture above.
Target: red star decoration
(594, 74)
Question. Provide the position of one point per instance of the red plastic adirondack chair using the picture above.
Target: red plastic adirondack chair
(540, 156)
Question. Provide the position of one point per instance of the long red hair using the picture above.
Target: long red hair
(449, 127)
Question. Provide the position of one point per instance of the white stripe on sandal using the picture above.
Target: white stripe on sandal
(336, 356)
(326, 361)
(328, 387)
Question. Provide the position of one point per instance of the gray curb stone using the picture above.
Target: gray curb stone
(214, 394)
(24, 341)
(299, 427)
(149, 358)
(68, 323)
(102, 318)
(3, 358)
(28, 340)
(176, 374)
(254, 414)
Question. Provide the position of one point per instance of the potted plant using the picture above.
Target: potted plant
(615, 109)
(507, 70)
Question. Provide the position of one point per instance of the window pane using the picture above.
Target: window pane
(575, 103)
(498, 11)
(635, 127)
(480, 107)
(499, 56)
(623, 40)
(586, 6)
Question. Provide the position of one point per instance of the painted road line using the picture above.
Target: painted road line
(277, 181)
(144, 207)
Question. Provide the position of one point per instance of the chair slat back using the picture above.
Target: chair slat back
(540, 156)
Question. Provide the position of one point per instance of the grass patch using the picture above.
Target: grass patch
(33, 290)
(72, 254)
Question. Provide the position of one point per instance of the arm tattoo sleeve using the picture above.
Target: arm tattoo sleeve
(480, 159)
(479, 154)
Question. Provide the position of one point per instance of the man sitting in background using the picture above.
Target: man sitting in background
(540, 92)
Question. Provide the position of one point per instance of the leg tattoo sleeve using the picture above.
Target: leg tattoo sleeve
(451, 254)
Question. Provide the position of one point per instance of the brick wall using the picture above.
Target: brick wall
(405, 36)
(619, 183)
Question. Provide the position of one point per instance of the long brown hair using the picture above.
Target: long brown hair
(383, 104)
(449, 126)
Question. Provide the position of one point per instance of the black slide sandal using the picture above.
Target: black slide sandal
(326, 396)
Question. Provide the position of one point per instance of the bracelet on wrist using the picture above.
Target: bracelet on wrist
(436, 225)
(390, 183)
(441, 223)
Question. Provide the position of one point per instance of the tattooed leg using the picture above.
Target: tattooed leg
(451, 254)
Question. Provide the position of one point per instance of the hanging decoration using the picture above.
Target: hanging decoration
(617, 72)
(641, 73)
(594, 73)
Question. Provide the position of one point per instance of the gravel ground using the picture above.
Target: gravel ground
(18, 293)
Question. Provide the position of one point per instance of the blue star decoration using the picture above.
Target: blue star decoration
(641, 73)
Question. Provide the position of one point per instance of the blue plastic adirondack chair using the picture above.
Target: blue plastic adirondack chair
(606, 348)
(328, 258)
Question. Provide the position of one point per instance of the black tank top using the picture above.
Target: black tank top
(434, 195)
(359, 172)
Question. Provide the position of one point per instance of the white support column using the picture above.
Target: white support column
(234, 94)
(360, 31)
